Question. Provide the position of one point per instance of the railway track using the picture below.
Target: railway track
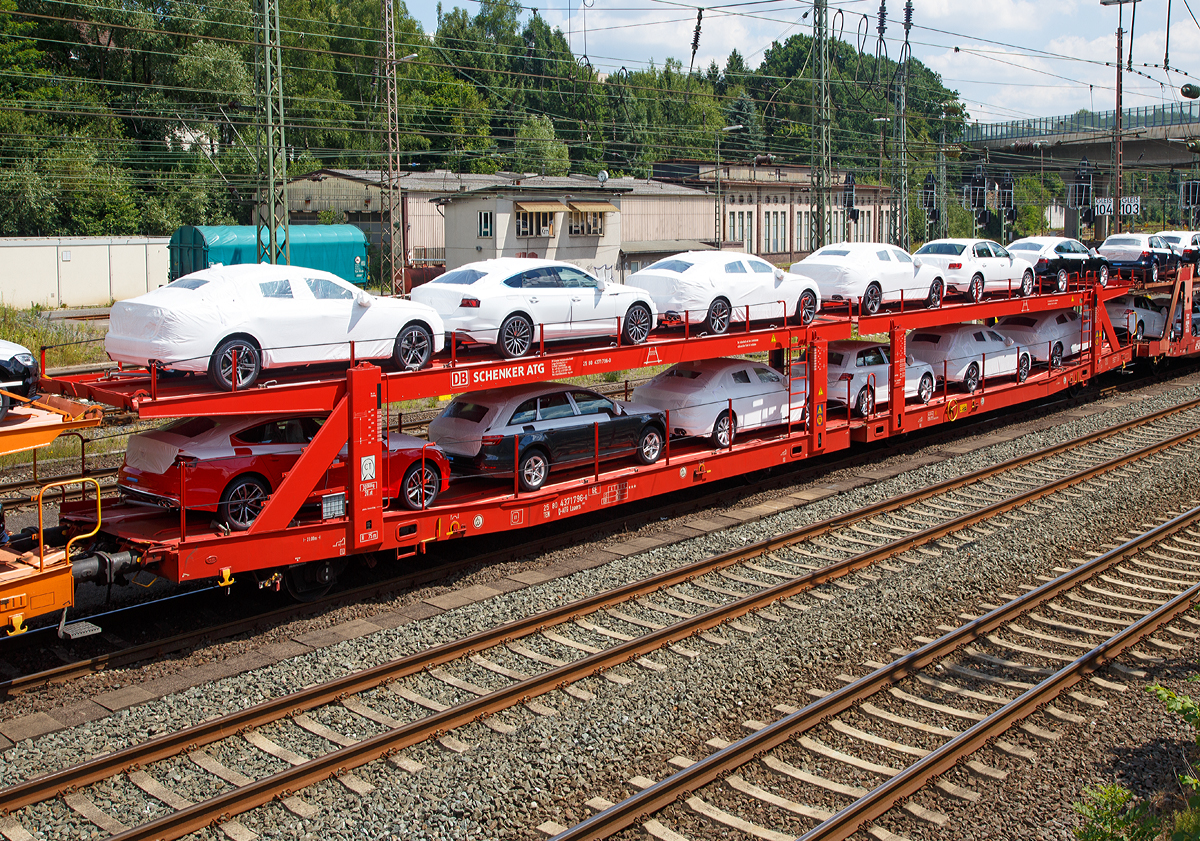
(516, 663)
(439, 569)
(951, 697)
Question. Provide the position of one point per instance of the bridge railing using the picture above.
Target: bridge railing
(1150, 116)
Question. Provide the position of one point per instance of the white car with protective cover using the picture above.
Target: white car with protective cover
(514, 303)
(715, 288)
(266, 316)
(974, 267)
(1048, 336)
(969, 353)
(860, 375)
(867, 274)
(1137, 314)
(698, 396)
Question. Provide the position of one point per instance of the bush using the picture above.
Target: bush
(1110, 814)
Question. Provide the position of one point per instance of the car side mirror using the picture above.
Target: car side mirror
(363, 299)
(778, 274)
(601, 284)
(917, 263)
(1008, 341)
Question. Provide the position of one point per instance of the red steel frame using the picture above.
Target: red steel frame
(354, 399)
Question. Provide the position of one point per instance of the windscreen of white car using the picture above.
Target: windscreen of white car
(950, 249)
(460, 277)
(188, 283)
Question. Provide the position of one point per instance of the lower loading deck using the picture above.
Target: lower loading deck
(196, 547)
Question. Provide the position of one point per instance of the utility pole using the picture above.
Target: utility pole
(271, 213)
(942, 229)
(393, 257)
(822, 155)
(1117, 136)
(900, 229)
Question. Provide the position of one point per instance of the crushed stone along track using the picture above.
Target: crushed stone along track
(930, 709)
(688, 611)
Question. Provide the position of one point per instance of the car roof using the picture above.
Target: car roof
(953, 329)
(510, 265)
(1043, 240)
(960, 240)
(513, 393)
(245, 273)
(855, 344)
(720, 363)
(1176, 233)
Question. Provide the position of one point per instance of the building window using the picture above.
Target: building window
(634, 265)
(485, 223)
(732, 226)
(538, 224)
(586, 224)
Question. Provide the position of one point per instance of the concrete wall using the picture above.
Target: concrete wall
(80, 271)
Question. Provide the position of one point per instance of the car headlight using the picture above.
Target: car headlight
(24, 358)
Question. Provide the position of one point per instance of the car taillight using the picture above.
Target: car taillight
(953, 266)
(469, 302)
(1145, 255)
(1042, 261)
(845, 378)
(492, 440)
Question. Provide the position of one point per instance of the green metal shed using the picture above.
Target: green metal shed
(340, 249)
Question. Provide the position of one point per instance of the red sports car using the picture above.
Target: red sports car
(232, 464)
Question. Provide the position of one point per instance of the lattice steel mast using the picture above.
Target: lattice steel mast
(272, 211)
(822, 113)
(391, 231)
(899, 221)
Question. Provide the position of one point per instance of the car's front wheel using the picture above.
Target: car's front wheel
(1154, 272)
(414, 347)
(718, 316)
(420, 485)
(971, 378)
(1140, 331)
(934, 301)
(1102, 276)
(637, 326)
(221, 363)
(1027, 284)
(724, 429)
(1056, 355)
(806, 307)
(516, 336)
(533, 469)
(242, 501)
(1061, 280)
(1024, 364)
(650, 445)
(925, 389)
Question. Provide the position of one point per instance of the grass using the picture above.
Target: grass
(70, 342)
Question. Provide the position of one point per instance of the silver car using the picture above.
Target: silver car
(1049, 336)
(699, 396)
(966, 353)
(1138, 315)
(860, 375)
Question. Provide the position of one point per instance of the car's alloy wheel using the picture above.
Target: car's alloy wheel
(925, 389)
(1056, 355)
(1140, 331)
(718, 316)
(865, 402)
(242, 501)
(419, 489)
(1024, 363)
(1154, 272)
(533, 470)
(414, 346)
(637, 325)
(220, 365)
(934, 301)
(806, 307)
(1027, 284)
(971, 379)
(516, 336)
(872, 299)
(1062, 280)
(975, 290)
(650, 445)
(1103, 275)
(724, 429)
(5, 405)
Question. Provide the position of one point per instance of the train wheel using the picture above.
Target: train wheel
(309, 582)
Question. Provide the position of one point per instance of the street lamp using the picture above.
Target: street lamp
(718, 213)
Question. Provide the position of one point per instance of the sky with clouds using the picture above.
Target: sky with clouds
(1008, 59)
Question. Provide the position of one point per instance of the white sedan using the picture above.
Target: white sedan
(717, 287)
(698, 394)
(966, 353)
(860, 375)
(266, 316)
(513, 303)
(974, 267)
(1138, 315)
(1049, 336)
(871, 273)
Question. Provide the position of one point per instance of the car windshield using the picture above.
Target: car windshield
(461, 277)
(473, 412)
(1025, 246)
(188, 283)
(671, 264)
(1123, 241)
(949, 248)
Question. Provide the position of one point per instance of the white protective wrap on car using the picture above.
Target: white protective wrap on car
(150, 454)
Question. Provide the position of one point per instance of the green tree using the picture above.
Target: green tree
(537, 150)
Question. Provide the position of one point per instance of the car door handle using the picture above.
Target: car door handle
(533, 300)
(577, 299)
